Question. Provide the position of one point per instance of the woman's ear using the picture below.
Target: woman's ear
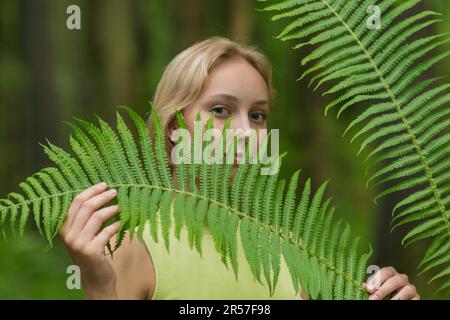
(171, 127)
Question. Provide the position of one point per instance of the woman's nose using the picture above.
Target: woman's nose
(240, 121)
(242, 128)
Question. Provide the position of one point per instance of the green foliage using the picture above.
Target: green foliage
(43, 275)
(321, 255)
(404, 118)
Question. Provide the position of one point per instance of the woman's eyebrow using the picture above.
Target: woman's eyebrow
(225, 97)
(260, 103)
(234, 99)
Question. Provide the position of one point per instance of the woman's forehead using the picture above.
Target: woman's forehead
(235, 79)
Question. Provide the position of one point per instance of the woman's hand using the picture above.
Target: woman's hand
(387, 281)
(86, 243)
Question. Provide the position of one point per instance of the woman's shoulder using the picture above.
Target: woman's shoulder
(135, 274)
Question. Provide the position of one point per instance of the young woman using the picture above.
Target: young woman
(215, 76)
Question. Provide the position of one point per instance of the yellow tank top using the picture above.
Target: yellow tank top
(182, 274)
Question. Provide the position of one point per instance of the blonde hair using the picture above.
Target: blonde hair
(186, 75)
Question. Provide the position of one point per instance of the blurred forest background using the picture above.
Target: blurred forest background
(49, 74)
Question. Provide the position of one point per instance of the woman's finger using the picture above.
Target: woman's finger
(103, 238)
(89, 207)
(96, 220)
(377, 280)
(389, 286)
(78, 202)
(408, 292)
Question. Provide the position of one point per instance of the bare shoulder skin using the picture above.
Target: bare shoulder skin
(134, 269)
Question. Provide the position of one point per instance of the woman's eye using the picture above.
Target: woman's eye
(220, 111)
(258, 116)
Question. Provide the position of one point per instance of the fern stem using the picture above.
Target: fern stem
(413, 137)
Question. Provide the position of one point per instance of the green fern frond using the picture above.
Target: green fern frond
(263, 209)
(405, 120)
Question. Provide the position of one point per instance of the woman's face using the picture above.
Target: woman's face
(234, 89)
